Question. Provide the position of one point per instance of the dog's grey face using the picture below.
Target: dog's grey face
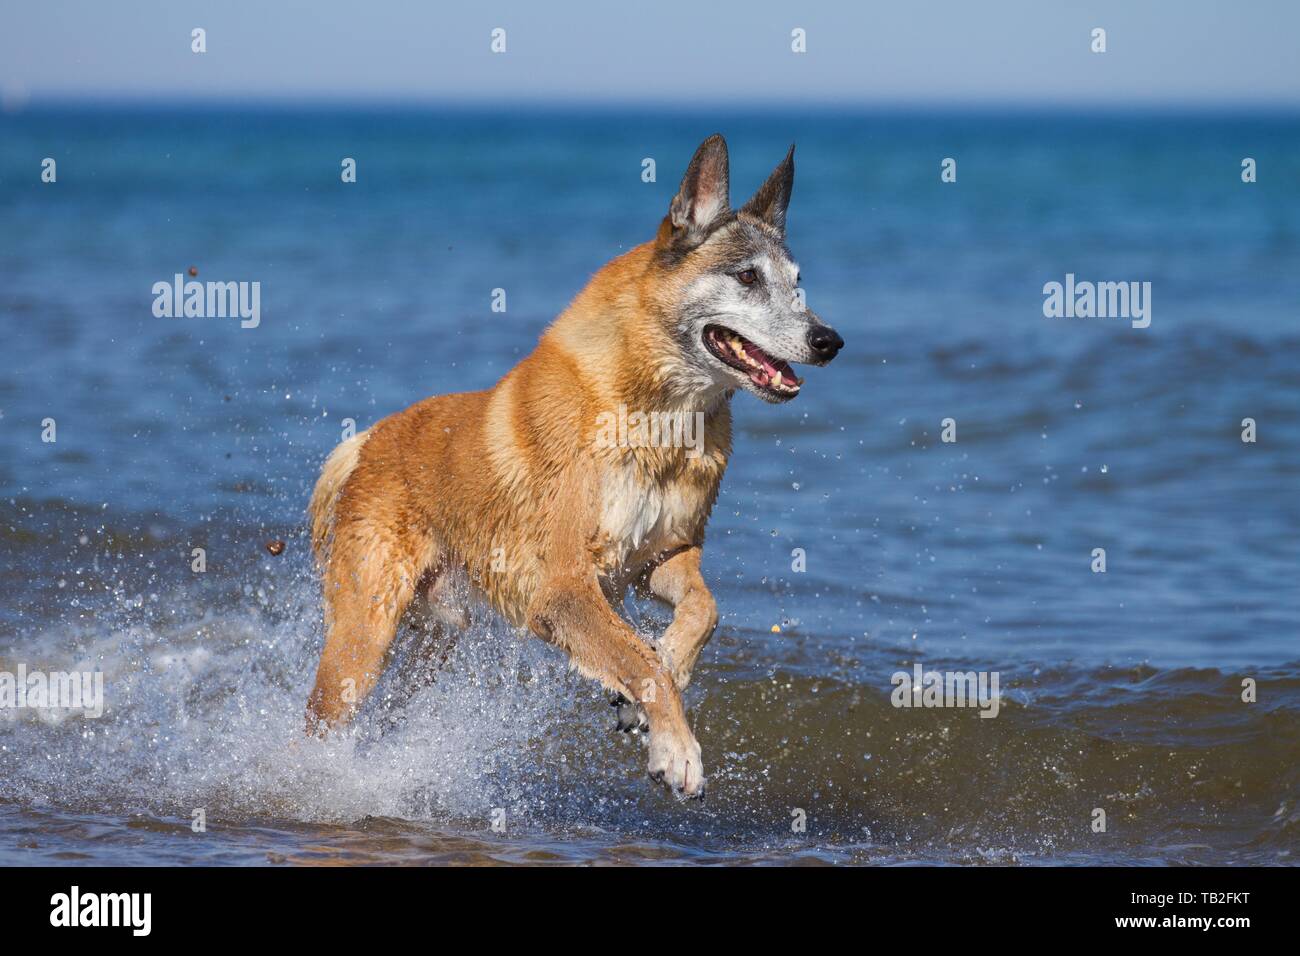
(741, 319)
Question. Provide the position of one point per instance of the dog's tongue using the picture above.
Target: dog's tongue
(764, 376)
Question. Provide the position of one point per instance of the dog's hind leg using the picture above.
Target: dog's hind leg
(369, 584)
(440, 614)
(629, 717)
(424, 658)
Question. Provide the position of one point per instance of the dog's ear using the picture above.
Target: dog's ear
(704, 195)
(773, 197)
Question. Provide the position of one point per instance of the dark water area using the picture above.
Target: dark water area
(1120, 691)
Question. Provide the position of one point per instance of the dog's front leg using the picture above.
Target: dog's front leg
(572, 613)
(678, 581)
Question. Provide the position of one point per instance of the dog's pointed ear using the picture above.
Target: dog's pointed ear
(704, 195)
(773, 197)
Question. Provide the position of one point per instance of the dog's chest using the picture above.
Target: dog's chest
(641, 516)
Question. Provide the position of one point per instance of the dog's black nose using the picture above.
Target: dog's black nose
(825, 341)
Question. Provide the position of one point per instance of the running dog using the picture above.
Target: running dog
(523, 497)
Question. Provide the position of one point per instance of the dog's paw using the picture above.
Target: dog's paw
(631, 717)
(677, 763)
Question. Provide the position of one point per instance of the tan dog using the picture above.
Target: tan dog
(581, 472)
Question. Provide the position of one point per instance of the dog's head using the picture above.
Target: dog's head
(734, 305)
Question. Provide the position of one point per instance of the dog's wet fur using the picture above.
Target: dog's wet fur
(506, 495)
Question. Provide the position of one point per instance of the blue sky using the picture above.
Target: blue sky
(940, 52)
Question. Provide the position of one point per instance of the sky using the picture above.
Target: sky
(936, 52)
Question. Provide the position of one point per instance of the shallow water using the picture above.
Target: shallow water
(1120, 691)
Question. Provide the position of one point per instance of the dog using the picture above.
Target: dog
(522, 497)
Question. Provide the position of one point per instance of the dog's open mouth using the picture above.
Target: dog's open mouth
(772, 375)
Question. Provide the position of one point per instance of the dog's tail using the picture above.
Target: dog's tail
(333, 476)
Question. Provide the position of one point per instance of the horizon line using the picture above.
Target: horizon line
(13, 105)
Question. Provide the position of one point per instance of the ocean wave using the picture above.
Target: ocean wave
(208, 714)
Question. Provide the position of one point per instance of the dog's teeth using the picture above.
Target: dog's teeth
(776, 379)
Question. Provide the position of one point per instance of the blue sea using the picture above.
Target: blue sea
(1122, 691)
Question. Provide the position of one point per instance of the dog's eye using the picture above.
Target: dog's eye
(748, 277)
